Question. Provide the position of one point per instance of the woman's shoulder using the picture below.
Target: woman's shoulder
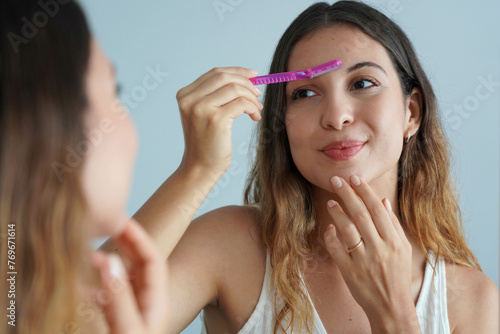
(473, 300)
(229, 233)
(231, 223)
(238, 259)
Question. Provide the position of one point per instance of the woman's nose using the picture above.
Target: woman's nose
(337, 112)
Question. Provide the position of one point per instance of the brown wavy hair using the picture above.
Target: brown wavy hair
(427, 199)
(42, 209)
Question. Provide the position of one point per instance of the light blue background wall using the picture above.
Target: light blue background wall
(458, 43)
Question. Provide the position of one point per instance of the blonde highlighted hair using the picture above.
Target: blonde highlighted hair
(427, 200)
(42, 209)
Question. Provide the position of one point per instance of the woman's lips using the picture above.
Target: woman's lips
(343, 150)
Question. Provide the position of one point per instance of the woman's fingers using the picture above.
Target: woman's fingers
(244, 72)
(147, 269)
(223, 78)
(232, 93)
(356, 209)
(347, 232)
(376, 209)
(240, 106)
(217, 90)
(394, 219)
(363, 216)
(219, 77)
(116, 298)
(335, 246)
(136, 243)
(136, 299)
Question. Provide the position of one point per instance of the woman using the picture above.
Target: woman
(66, 159)
(351, 223)
(57, 88)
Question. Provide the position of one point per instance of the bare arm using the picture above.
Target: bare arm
(168, 212)
(208, 107)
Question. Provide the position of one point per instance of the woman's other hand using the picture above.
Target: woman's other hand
(133, 297)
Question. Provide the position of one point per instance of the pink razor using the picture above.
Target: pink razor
(297, 75)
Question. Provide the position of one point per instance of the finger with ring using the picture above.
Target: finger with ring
(350, 249)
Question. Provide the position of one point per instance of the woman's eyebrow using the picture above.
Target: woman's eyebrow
(365, 64)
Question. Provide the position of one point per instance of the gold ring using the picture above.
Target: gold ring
(356, 246)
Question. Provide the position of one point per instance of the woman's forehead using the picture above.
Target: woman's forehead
(349, 44)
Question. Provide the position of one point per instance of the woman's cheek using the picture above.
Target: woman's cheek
(107, 176)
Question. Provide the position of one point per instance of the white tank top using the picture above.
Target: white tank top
(431, 305)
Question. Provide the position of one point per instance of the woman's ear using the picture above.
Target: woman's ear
(413, 115)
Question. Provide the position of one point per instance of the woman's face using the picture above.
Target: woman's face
(108, 166)
(350, 121)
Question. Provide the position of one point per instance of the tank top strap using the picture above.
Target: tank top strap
(432, 304)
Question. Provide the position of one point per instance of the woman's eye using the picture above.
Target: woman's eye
(302, 94)
(360, 84)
